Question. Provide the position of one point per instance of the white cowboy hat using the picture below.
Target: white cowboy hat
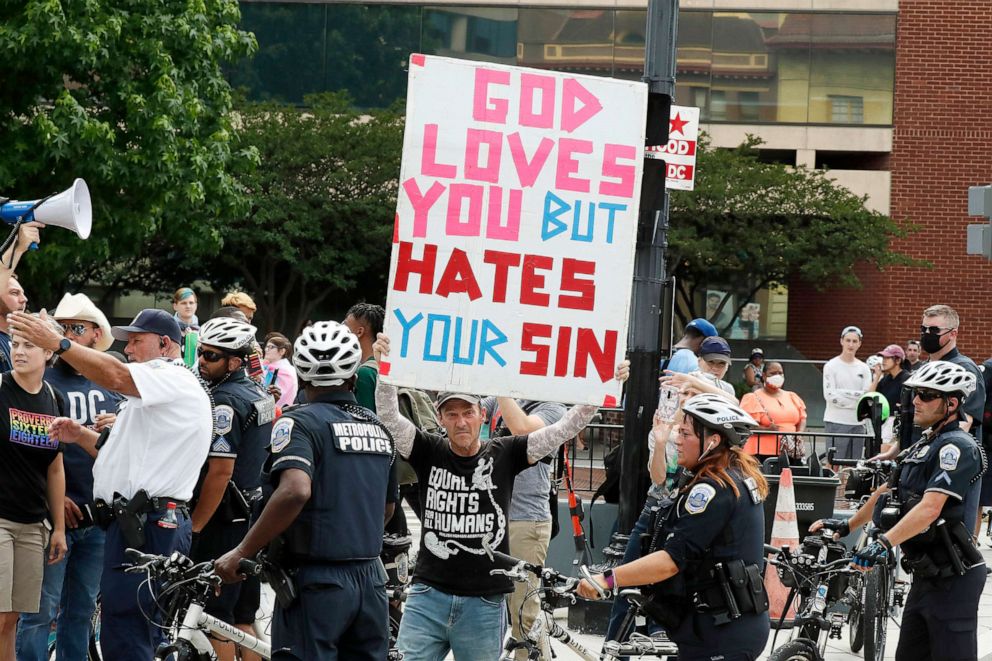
(79, 306)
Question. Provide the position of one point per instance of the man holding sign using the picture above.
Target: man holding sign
(465, 487)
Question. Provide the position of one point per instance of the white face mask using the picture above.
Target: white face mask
(775, 380)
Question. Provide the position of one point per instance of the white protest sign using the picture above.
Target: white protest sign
(680, 152)
(513, 250)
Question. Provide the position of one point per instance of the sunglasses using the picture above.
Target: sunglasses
(211, 356)
(935, 330)
(77, 329)
(928, 395)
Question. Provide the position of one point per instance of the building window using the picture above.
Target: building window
(846, 109)
(750, 106)
(718, 105)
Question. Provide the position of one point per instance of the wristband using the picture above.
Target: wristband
(611, 582)
(845, 529)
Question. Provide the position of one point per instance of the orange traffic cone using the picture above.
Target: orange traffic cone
(785, 532)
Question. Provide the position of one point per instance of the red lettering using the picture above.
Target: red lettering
(561, 352)
(542, 353)
(502, 261)
(570, 282)
(458, 277)
(406, 264)
(603, 356)
(531, 281)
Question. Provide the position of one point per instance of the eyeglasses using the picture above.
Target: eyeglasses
(935, 330)
(77, 329)
(270, 346)
(211, 356)
(928, 395)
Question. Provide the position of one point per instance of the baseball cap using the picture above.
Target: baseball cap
(851, 329)
(79, 306)
(703, 326)
(445, 396)
(757, 352)
(893, 351)
(715, 348)
(150, 320)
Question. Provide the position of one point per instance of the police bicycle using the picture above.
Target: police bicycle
(882, 590)
(395, 557)
(556, 587)
(819, 573)
(180, 589)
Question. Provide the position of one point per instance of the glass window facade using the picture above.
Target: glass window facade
(739, 67)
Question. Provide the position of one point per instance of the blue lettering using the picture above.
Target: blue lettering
(457, 357)
(612, 208)
(442, 355)
(551, 217)
(486, 347)
(407, 325)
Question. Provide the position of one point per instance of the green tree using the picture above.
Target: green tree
(128, 95)
(323, 203)
(750, 225)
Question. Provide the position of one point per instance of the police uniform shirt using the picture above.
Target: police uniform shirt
(243, 416)
(85, 400)
(348, 460)
(950, 464)
(161, 436)
(466, 500)
(974, 405)
(710, 524)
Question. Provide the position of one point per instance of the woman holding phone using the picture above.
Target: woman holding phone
(278, 370)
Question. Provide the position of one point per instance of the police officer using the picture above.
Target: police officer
(243, 415)
(330, 465)
(709, 541)
(934, 496)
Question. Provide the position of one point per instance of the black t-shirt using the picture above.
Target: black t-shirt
(25, 449)
(465, 500)
(891, 388)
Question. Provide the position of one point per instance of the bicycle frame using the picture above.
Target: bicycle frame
(196, 621)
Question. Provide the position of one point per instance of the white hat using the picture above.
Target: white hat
(79, 306)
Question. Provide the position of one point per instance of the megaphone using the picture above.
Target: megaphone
(70, 209)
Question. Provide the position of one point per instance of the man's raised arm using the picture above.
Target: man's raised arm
(388, 407)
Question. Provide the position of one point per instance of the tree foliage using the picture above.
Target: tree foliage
(750, 225)
(130, 96)
(323, 202)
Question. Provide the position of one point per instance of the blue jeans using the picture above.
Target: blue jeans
(631, 553)
(69, 591)
(435, 623)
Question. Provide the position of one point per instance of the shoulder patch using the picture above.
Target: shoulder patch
(223, 419)
(949, 456)
(281, 434)
(699, 498)
(752, 487)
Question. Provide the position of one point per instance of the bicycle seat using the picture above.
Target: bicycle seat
(634, 596)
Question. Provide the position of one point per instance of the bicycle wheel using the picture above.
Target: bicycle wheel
(875, 614)
(855, 628)
(795, 650)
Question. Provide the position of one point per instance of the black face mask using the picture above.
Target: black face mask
(930, 343)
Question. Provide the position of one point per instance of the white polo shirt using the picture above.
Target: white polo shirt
(161, 437)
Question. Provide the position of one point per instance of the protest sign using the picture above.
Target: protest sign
(679, 153)
(513, 249)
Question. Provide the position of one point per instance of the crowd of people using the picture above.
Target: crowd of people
(206, 439)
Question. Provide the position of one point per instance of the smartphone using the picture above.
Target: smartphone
(668, 403)
(271, 377)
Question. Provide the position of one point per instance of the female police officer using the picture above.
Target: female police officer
(708, 566)
(927, 513)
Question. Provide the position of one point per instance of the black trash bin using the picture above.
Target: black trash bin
(815, 497)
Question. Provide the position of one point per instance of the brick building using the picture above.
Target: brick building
(941, 145)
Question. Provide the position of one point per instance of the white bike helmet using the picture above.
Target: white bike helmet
(721, 415)
(943, 376)
(231, 335)
(326, 354)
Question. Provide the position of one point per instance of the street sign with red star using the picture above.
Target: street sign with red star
(680, 152)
